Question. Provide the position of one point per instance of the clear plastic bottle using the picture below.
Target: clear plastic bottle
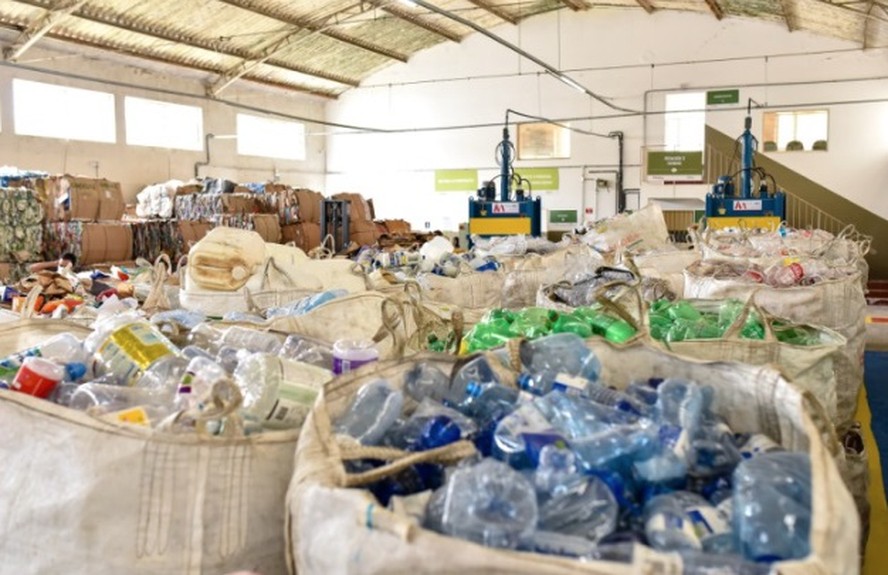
(754, 444)
(686, 521)
(521, 436)
(426, 380)
(559, 361)
(584, 507)
(772, 506)
(122, 404)
(781, 275)
(126, 345)
(374, 410)
(300, 348)
(489, 503)
(278, 392)
(253, 340)
(196, 385)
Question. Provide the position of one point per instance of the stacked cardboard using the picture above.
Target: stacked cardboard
(75, 198)
(192, 232)
(92, 243)
(305, 232)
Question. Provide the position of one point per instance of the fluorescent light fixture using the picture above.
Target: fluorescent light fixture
(572, 83)
(410, 3)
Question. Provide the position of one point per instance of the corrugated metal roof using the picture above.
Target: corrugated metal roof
(325, 47)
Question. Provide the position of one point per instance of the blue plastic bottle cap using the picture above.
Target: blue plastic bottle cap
(75, 371)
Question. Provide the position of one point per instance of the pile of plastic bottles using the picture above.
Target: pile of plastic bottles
(681, 320)
(500, 325)
(788, 272)
(128, 371)
(568, 466)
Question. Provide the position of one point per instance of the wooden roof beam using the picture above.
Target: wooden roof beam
(128, 51)
(646, 4)
(163, 32)
(575, 5)
(787, 14)
(716, 9)
(495, 10)
(408, 15)
(275, 14)
(40, 27)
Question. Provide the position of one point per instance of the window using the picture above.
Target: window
(257, 136)
(164, 125)
(542, 141)
(795, 130)
(685, 117)
(59, 112)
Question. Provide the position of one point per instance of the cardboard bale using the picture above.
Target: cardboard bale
(305, 235)
(268, 226)
(192, 232)
(111, 204)
(309, 205)
(68, 198)
(363, 233)
(397, 227)
(189, 189)
(359, 210)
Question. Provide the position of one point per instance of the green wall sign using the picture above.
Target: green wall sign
(456, 180)
(540, 178)
(720, 97)
(675, 166)
(563, 216)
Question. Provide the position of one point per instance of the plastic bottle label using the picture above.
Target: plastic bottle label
(707, 522)
(131, 349)
(341, 366)
(9, 366)
(566, 383)
(133, 415)
(293, 403)
(646, 561)
(672, 522)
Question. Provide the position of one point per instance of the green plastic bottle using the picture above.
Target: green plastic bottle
(683, 310)
(569, 323)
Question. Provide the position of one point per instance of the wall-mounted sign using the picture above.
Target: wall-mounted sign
(675, 166)
(721, 97)
(456, 180)
(541, 179)
(563, 216)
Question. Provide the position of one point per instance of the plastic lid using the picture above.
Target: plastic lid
(239, 272)
(75, 371)
(44, 368)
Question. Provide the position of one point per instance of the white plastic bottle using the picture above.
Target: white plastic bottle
(63, 348)
(350, 354)
(278, 392)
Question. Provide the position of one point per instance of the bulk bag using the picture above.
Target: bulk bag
(838, 304)
(472, 292)
(336, 529)
(85, 496)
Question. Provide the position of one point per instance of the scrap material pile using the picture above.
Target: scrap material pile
(611, 403)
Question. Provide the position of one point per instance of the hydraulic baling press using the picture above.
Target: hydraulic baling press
(756, 204)
(511, 213)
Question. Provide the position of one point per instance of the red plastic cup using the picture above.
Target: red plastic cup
(38, 377)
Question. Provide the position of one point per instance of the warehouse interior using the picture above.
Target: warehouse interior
(389, 98)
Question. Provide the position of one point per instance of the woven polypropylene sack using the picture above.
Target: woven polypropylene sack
(337, 529)
(667, 265)
(474, 293)
(811, 367)
(838, 304)
(85, 496)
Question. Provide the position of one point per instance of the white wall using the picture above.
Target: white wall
(627, 55)
(137, 166)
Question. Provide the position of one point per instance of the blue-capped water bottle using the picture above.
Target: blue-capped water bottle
(559, 362)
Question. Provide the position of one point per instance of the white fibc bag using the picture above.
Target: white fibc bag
(838, 304)
(286, 274)
(81, 495)
(810, 367)
(473, 292)
(336, 528)
(665, 264)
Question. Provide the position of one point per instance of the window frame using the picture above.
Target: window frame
(69, 120)
(257, 152)
(196, 145)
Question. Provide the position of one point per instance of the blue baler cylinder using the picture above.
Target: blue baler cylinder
(746, 161)
(505, 175)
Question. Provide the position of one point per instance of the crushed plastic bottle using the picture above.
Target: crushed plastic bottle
(374, 410)
(491, 504)
(560, 362)
(686, 521)
(772, 506)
